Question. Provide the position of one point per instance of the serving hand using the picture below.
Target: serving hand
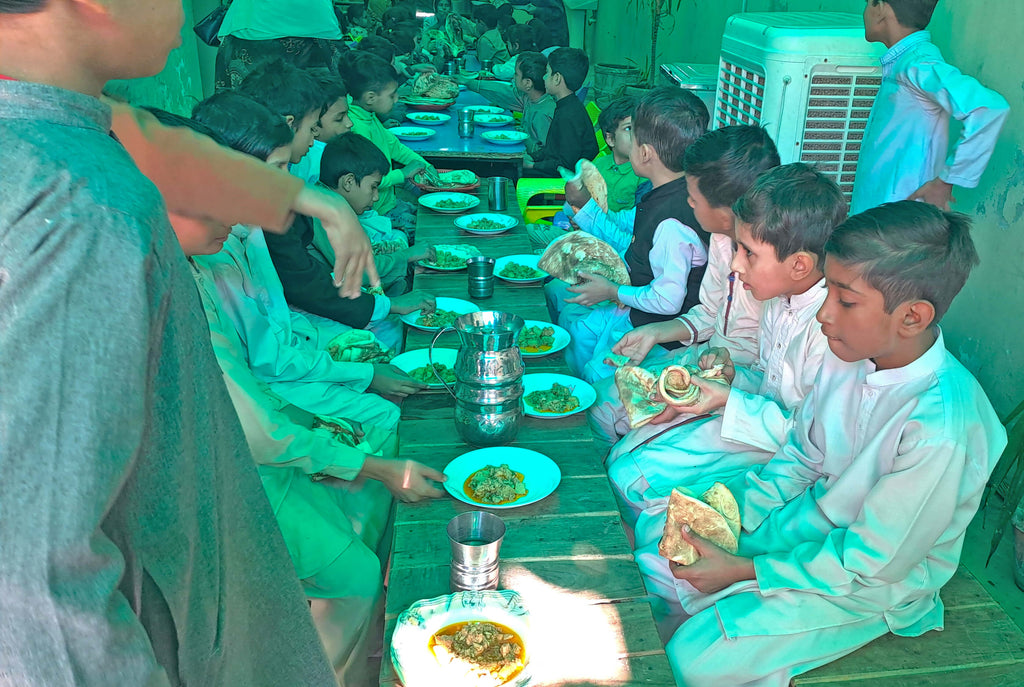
(716, 568)
(937, 192)
(593, 289)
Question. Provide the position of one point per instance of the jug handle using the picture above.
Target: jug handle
(430, 359)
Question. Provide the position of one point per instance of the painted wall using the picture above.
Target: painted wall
(985, 328)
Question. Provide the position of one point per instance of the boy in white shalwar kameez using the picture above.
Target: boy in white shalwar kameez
(858, 520)
(720, 166)
(906, 151)
(782, 224)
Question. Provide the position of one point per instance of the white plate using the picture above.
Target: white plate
(525, 261)
(488, 119)
(410, 645)
(465, 221)
(504, 138)
(428, 118)
(540, 474)
(443, 303)
(562, 339)
(412, 133)
(430, 200)
(544, 381)
(484, 109)
(411, 360)
(464, 251)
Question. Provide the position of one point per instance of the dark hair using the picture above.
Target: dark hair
(21, 6)
(726, 162)
(532, 65)
(354, 12)
(669, 120)
(908, 251)
(403, 37)
(792, 208)
(243, 124)
(332, 88)
(397, 14)
(488, 14)
(366, 72)
(522, 35)
(617, 110)
(284, 88)
(541, 33)
(572, 64)
(351, 154)
(381, 47)
(914, 14)
(170, 119)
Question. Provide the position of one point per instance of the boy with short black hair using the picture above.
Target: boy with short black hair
(571, 136)
(616, 124)
(490, 45)
(333, 121)
(373, 85)
(720, 167)
(906, 151)
(130, 569)
(525, 94)
(290, 93)
(662, 243)
(782, 223)
(858, 520)
(353, 167)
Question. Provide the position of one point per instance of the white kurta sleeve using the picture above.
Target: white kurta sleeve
(755, 420)
(73, 406)
(981, 110)
(675, 251)
(614, 228)
(714, 289)
(903, 516)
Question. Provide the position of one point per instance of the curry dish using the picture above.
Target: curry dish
(495, 485)
(482, 654)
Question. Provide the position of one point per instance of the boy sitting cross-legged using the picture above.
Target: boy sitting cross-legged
(353, 167)
(782, 224)
(667, 249)
(858, 520)
(571, 136)
(720, 167)
(373, 85)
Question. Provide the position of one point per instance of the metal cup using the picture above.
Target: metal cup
(466, 129)
(460, 64)
(486, 65)
(475, 539)
(497, 191)
(450, 68)
(481, 277)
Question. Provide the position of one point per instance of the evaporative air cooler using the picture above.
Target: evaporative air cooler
(809, 78)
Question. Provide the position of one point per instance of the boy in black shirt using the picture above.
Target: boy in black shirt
(571, 136)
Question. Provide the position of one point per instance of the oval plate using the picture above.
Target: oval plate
(504, 138)
(562, 339)
(410, 645)
(411, 360)
(412, 133)
(466, 223)
(543, 381)
(428, 118)
(524, 260)
(484, 109)
(430, 201)
(541, 475)
(443, 303)
(487, 119)
(464, 251)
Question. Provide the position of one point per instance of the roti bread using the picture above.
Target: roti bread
(578, 252)
(703, 520)
(721, 499)
(587, 176)
(635, 386)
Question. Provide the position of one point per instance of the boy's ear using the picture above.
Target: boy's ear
(290, 120)
(915, 317)
(609, 139)
(802, 265)
(347, 182)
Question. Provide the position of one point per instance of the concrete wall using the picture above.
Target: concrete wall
(985, 328)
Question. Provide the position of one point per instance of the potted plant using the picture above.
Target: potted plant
(1009, 477)
(658, 11)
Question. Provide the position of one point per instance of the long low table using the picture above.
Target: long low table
(567, 555)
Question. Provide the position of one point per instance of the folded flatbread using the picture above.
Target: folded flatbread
(578, 252)
(457, 176)
(433, 85)
(704, 519)
(636, 386)
(587, 176)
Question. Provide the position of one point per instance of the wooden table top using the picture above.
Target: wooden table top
(567, 555)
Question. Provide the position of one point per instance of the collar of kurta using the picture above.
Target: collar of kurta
(24, 100)
(927, 364)
(904, 45)
(358, 112)
(811, 298)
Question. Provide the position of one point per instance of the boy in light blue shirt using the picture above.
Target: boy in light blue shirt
(906, 153)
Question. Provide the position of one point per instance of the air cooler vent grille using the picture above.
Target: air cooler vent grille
(740, 98)
(837, 113)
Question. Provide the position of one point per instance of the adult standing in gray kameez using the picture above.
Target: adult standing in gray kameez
(136, 544)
